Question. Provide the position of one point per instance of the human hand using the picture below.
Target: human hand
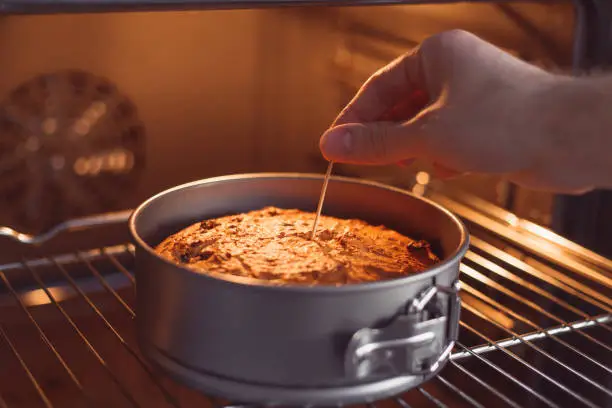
(457, 101)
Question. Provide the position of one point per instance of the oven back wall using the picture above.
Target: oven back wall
(181, 107)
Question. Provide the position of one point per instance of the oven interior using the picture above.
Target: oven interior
(535, 325)
(100, 111)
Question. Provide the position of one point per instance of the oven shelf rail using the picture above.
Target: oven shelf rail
(536, 326)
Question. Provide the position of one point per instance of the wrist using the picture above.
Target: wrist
(534, 118)
(572, 130)
(550, 108)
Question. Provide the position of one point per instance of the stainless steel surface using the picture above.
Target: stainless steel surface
(193, 324)
(525, 321)
(330, 166)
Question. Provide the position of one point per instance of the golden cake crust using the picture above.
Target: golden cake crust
(273, 244)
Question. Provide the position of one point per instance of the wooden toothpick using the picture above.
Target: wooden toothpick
(321, 199)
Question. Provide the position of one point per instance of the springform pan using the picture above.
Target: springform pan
(247, 341)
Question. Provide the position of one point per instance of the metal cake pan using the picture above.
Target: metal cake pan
(249, 341)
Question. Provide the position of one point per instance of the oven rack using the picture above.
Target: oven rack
(535, 327)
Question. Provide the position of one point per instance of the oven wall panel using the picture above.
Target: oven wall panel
(297, 102)
(192, 77)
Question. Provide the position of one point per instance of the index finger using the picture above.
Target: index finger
(383, 90)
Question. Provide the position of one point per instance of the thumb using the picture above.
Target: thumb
(374, 143)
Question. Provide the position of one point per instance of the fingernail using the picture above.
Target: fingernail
(337, 144)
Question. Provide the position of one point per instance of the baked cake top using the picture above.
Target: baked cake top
(274, 245)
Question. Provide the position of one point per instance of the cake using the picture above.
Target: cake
(274, 245)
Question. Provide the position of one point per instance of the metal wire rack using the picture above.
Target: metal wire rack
(535, 328)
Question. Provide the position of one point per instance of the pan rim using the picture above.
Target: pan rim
(259, 284)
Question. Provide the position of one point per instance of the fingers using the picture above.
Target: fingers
(382, 143)
(407, 108)
(374, 143)
(384, 90)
